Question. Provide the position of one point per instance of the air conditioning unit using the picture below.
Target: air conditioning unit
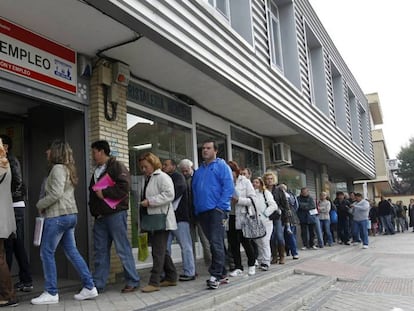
(280, 154)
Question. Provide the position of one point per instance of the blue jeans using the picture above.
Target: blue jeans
(277, 237)
(318, 231)
(387, 225)
(360, 231)
(183, 236)
(61, 230)
(326, 227)
(290, 239)
(213, 223)
(108, 229)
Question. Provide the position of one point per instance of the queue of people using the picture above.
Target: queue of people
(210, 204)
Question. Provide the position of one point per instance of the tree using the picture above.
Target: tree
(406, 167)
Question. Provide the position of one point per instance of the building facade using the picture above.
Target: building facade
(383, 183)
(261, 77)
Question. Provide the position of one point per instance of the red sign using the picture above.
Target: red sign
(27, 54)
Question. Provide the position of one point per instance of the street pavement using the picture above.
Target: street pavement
(333, 278)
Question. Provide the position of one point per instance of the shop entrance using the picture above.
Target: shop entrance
(32, 125)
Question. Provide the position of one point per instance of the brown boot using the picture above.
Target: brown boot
(281, 249)
(274, 255)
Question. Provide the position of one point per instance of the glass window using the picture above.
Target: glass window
(148, 133)
(246, 138)
(205, 133)
(250, 159)
(274, 34)
(294, 179)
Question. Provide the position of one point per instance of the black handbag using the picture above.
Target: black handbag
(155, 222)
(251, 225)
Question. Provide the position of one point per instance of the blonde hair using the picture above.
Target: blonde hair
(270, 174)
(262, 184)
(152, 159)
(61, 153)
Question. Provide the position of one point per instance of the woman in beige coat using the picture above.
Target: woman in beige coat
(156, 198)
(7, 227)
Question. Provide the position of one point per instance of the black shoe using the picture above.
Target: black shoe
(347, 243)
(10, 303)
(184, 278)
(23, 287)
(213, 283)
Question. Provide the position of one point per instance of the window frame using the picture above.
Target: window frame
(274, 50)
(213, 3)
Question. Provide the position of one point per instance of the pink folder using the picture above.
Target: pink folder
(103, 183)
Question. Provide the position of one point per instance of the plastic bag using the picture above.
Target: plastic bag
(143, 252)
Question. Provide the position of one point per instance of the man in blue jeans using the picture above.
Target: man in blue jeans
(111, 223)
(182, 215)
(213, 188)
(360, 211)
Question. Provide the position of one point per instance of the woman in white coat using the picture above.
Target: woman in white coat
(7, 227)
(265, 205)
(241, 202)
(156, 198)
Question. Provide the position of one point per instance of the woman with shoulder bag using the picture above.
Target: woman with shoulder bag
(265, 205)
(240, 205)
(156, 204)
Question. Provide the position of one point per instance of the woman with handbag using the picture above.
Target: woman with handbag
(58, 206)
(158, 219)
(265, 205)
(7, 227)
(241, 205)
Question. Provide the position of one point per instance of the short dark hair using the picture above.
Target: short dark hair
(208, 141)
(7, 141)
(173, 162)
(359, 195)
(101, 145)
(340, 193)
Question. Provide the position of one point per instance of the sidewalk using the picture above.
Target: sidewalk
(323, 279)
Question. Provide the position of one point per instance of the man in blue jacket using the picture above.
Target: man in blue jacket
(213, 188)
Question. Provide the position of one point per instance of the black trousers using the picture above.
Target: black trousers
(16, 246)
(235, 238)
(307, 234)
(161, 260)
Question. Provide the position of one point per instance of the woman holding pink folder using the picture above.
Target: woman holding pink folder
(58, 206)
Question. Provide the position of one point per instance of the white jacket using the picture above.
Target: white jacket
(265, 210)
(244, 190)
(160, 194)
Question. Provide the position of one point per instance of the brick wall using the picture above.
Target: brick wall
(115, 132)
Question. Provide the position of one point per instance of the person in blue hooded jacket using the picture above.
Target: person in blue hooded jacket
(213, 188)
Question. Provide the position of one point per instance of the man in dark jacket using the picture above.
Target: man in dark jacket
(277, 240)
(182, 215)
(343, 209)
(15, 245)
(111, 223)
(385, 212)
(307, 214)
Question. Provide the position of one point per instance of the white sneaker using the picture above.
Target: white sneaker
(256, 263)
(236, 272)
(252, 270)
(356, 243)
(86, 294)
(365, 247)
(45, 299)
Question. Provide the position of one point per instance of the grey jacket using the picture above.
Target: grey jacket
(360, 210)
(7, 220)
(59, 196)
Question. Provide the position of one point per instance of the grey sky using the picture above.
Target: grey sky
(375, 38)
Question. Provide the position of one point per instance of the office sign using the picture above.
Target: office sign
(32, 56)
